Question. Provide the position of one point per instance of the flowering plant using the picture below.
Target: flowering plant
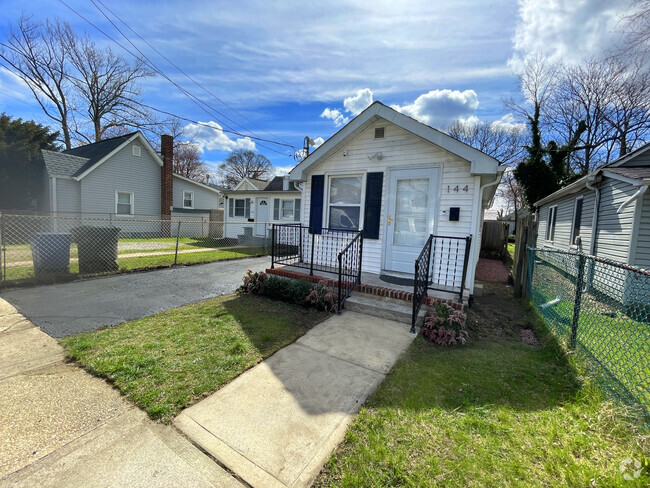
(253, 281)
(445, 325)
(322, 296)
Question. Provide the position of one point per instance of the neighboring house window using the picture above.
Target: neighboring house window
(188, 199)
(124, 203)
(286, 209)
(550, 223)
(239, 207)
(344, 206)
(136, 151)
(577, 219)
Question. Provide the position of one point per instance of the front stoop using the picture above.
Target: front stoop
(386, 308)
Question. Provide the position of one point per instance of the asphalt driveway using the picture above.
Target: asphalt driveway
(70, 308)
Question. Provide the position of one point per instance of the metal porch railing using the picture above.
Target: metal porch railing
(441, 266)
(332, 251)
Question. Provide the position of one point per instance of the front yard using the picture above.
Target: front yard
(168, 361)
(496, 412)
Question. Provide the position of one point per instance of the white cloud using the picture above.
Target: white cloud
(359, 102)
(213, 138)
(12, 86)
(440, 107)
(568, 30)
(282, 170)
(507, 122)
(336, 116)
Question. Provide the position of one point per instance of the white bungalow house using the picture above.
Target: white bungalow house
(398, 181)
(254, 205)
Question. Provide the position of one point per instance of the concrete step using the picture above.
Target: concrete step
(386, 308)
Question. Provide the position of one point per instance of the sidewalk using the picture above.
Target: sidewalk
(60, 426)
(277, 424)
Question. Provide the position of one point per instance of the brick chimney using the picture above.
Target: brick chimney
(166, 175)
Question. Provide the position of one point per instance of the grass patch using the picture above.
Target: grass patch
(168, 361)
(493, 413)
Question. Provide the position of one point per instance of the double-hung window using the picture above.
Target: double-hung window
(577, 220)
(286, 209)
(123, 203)
(344, 204)
(188, 199)
(550, 223)
(239, 207)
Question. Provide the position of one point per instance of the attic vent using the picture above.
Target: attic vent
(136, 151)
(379, 132)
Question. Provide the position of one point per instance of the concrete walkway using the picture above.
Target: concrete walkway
(60, 426)
(82, 306)
(276, 425)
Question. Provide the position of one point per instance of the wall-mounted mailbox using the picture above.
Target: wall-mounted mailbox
(454, 214)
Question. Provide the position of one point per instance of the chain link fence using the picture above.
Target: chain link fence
(601, 310)
(39, 249)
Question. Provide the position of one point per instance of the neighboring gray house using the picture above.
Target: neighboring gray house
(124, 177)
(606, 213)
(255, 204)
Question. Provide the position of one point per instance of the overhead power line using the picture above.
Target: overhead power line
(198, 102)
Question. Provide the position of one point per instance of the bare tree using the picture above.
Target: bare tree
(36, 55)
(107, 84)
(636, 27)
(511, 192)
(59, 67)
(244, 164)
(502, 143)
(187, 162)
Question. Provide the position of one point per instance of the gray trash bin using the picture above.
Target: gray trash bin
(51, 252)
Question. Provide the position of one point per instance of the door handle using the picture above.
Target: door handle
(389, 220)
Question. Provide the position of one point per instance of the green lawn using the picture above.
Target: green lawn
(166, 362)
(496, 413)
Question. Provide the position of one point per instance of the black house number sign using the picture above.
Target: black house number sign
(457, 188)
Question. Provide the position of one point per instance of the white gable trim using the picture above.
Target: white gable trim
(480, 162)
(135, 136)
(629, 156)
(202, 185)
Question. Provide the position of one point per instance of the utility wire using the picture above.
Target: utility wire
(192, 98)
(188, 76)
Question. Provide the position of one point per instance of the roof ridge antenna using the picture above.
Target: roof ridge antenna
(303, 153)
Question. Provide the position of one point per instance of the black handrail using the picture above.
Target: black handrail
(349, 267)
(421, 280)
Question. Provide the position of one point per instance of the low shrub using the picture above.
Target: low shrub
(445, 326)
(277, 288)
(254, 281)
(322, 297)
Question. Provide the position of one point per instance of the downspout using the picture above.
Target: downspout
(594, 219)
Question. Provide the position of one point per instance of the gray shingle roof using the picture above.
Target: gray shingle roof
(634, 172)
(276, 185)
(96, 151)
(62, 164)
(259, 184)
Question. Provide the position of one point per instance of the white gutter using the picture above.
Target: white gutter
(496, 181)
(638, 194)
(594, 219)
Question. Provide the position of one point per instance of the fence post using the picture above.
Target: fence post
(3, 255)
(340, 273)
(360, 256)
(272, 246)
(576, 306)
(468, 245)
(529, 271)
(178, 234)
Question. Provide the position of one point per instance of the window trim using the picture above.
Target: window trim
(233, 203)
(136, 151)
(551, 221)
(362, 196)
(293, 208)
(573, 221)
(132, 202)
(192, 198)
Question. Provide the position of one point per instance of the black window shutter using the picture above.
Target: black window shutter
(372, 210)
(316, 207)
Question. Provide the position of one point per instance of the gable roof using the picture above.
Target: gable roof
(254, 182)
(198, 183)
(276, 184)
(60, 164)
(480, 162)
(638, 174)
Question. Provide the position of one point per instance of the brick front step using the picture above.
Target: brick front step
(380, 291)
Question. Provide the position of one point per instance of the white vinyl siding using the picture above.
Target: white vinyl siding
(642, 255)
(614, 228)
(562, 238)
(236, 225)
(68, 197)
(401, 149)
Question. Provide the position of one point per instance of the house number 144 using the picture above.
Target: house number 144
(457, 188)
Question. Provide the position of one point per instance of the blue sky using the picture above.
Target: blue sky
(304, 68)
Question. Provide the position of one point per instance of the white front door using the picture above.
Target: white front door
(412, 207)
(262, 215)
